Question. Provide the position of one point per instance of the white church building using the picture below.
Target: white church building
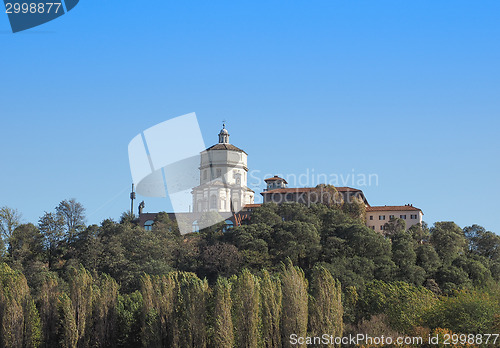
(223, 178)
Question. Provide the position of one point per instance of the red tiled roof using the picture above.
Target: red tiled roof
(308, 189)
(393, 208)
(275, 178)
(256, 205)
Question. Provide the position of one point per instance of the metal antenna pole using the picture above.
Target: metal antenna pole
(132, 197)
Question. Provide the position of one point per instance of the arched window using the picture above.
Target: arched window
(148, 225)
(196, 227)
(213, 202)
(229, 224)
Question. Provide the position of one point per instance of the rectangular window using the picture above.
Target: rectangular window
(381, 227)
(381, 217)
(391, 217)
(402, 216)
(373, 227)
(371, 217)
(413, 216)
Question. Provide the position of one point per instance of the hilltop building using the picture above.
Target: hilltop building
(223, 189)
(223, 178)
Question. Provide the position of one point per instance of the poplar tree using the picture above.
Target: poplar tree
(104, 313)
(81, 295)
(68, 328)
(223, 322)
(271, 305)
(246, 309)
(325, 304)
(49, 310)
(295, 298)
(191, 306)
(158, 324)
(19, 319)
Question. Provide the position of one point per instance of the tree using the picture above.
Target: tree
(405, 258)
(404, 304)
(223, 322)
(325, 194)
(104, 328)
(449, 241)
(394, 226)
(52, 228)
(297, 240)
(419, 232)
(271, 306)
(68, 327)
(158, 326)
(325, 304)
(355, 208)
(73, 214)
(128, 326)
(9, 219)
(81, 294)
(482, 242)
(467, 312)
(246, 298)
(428, 259)
(191, 304)
(219, 259)
(26, 246)
(252, 243)
(20, 322)
(294, 315)
(49, 310)
(266, 214)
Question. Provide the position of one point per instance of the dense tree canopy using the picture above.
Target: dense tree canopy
(289, 269)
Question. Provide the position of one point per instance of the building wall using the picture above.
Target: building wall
(377, 219)
(223, 182)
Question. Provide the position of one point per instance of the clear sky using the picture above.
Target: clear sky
(408, 90)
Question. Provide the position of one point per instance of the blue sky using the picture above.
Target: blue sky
(404, 89)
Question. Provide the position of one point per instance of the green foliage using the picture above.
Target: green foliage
(297, 240)
(294, 315)
(246, 300)
(49, 310)
(402, 303)
(104, 314)
(19, 319)
(404, 256)
(271, 308)
(52, 228)
(325, 304)
(81, 294)
(267, 214)
(223, 322)
(191, 301)
(10, 219)
(68, 325)
(465, 312)
(128, 322)
(157, 317)
(395, 226)
(80, 306)
(448, 240)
